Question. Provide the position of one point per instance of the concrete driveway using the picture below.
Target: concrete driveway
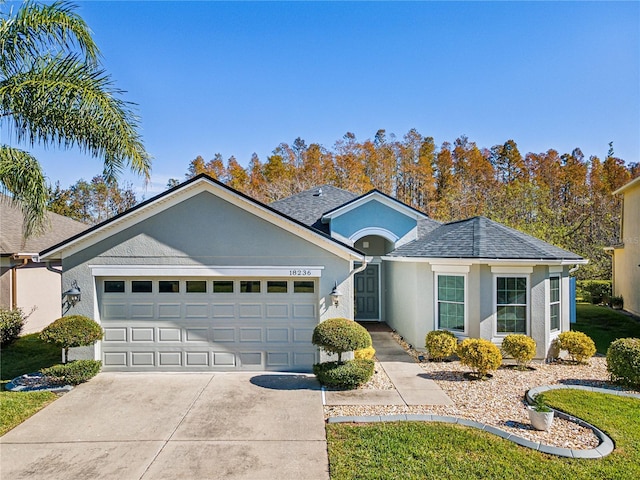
(175, 426)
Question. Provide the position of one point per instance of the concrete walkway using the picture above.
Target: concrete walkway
(138, 426)
(411, 385)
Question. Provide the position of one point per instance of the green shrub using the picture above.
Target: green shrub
(440, 344)
(480, 355)
(11, 323)
(73, 373)
(623, 361)
(347, 375)
(366, 353)
(594, 291)
(340, 335)
(579, 346)
(72, 331)
(520, 347)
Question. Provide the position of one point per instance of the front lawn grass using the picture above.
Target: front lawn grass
(604, 325)
(27, 354)
(415, 450)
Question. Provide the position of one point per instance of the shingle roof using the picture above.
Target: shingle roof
(308, 206)
(11, 220)
(479, 237)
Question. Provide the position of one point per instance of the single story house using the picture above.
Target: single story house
(626, 255)
(25, 282)
(203, 277)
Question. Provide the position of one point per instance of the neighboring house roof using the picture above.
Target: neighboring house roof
(195, 185)
(479, 237)
(309, 206)
(635, 181)
(12, 241)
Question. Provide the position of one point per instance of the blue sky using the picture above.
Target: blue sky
(239, 77)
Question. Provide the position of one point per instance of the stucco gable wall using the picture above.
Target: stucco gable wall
(206, 230)
(372, 214)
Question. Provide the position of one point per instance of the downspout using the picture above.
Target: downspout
(361, 268)
(14, 280)
(574, 269)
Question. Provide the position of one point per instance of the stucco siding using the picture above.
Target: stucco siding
(372, 214)
(626, 268)
(402, 299)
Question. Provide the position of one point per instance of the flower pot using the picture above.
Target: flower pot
(540, 420)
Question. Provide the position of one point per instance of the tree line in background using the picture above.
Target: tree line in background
(564, 199)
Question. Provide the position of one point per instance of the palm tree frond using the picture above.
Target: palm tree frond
(65, 102)
(21, 177)
(52, 28)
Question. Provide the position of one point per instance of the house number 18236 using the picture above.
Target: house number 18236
(300, 273)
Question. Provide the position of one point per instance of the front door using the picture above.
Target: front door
(368, 293)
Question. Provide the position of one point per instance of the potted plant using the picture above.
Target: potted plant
(616, 302)
(540, 415)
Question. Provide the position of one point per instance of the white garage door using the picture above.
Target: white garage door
(195, 324)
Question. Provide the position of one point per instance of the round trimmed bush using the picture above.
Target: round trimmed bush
(72, 373)
(72, 331)
(347, 375)
(520, 347)
(480, 355)
(366, 353)
(11, 323)
(440, 344)
(339, 335)
(579, 346)
(623, 361)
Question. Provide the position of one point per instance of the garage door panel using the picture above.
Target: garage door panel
(142, 334)
(169, 310)
(304, 312)
(224, 359)
(220, 310)
(197, 359)
(197, 334)
(250, 310)
(278, 311)
(208, 331)
(223, 334)
(142, 359)
(115, 334)
(142, 310)
(169, 334)
(114, 311)
(115, 359)
(250, 334)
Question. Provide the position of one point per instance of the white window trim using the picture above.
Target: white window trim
(455, 273)
(500, 335)
(559, 302)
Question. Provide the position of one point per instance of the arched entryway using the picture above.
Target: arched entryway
(369, 284)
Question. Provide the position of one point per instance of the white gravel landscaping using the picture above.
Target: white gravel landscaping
(497, 402)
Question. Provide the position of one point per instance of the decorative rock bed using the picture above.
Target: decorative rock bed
(499, 403)
(35, 382)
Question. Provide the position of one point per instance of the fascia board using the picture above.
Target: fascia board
(189, 190)
(389, 202)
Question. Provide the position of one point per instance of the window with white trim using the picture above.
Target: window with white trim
(554, 303)
(451, 302)
(511, 304)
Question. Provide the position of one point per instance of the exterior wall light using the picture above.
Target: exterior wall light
(71, 297)
(335, 295)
